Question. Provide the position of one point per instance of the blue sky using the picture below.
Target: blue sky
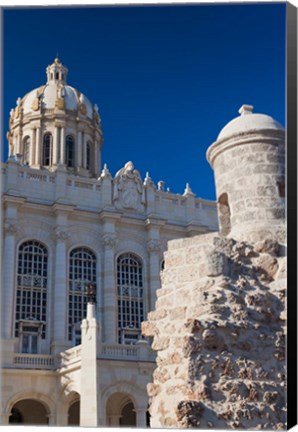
(166, 78)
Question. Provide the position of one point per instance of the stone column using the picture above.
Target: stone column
(109, 290)
(114, 420)
(60, 297)
(56, 146)
(4, 418)
(154, 248)
(141, 417)
(32, 146)
(62, 145)
(79, 153)
(38, 147)
(89, 385)
(84, 151)
(9, 269)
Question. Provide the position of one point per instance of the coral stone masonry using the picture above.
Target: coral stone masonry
(219, 322)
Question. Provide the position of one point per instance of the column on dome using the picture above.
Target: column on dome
(56, 145)
(109, 306)
(62, 145)
(95, 158)
(10, 229)
(32, 146)
(84, 151)
(19, 142)
(79, 148)
(38, 147)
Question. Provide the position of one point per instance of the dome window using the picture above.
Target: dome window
(26, 150)
(47, 149)
(69, 149)
(57, 75)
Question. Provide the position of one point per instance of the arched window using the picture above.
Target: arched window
(130, 297)
(26, 149)
(31, 296)
(88, 155)
(47, 149)
(82, 269)
(69, 149)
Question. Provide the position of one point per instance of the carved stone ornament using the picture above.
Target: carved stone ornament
(10, 226)
(83, 109)
(109, 240)
(35, 104)
(128, 189)
(61, 234)
(59, 103)
(154, 246)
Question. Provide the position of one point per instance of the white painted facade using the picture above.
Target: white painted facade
(66, 222)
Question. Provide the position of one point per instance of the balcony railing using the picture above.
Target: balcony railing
(34, 361)
(72, 357)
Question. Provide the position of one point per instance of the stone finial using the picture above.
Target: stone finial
(161, 185)
(188, 191)
(148, 181)
(246, 109)
(105, 172)
(18, 101)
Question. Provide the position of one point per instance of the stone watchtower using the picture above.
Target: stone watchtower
(248, 159)
(219, 324)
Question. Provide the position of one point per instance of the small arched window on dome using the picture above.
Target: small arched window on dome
(88, 155)
(26, 150)
(47, 149)
(69, 149)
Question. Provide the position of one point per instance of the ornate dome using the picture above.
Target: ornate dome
(56, 93)
(248, 122)
(56, 125)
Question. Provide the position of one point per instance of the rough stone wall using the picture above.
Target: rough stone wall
(219, 330)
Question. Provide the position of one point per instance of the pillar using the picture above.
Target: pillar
(89, 384)
(56, 145)
(32, 146)
(154, 249)
(4, 419)
(60, 292)
(38, 147)
(109, 290)
(141, 417)
(84, 151)
(79, 152)
(9, 266)
(62, 146)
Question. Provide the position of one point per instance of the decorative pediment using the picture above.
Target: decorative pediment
(128, 190)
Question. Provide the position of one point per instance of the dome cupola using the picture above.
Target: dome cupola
(56, 72)
(56, 125)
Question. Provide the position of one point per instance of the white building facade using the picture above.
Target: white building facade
(68, 222)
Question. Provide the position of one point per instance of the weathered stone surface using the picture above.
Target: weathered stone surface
(222, 361)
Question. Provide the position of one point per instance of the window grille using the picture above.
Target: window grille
(32, 278)
(130, 298)
(82, 269)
